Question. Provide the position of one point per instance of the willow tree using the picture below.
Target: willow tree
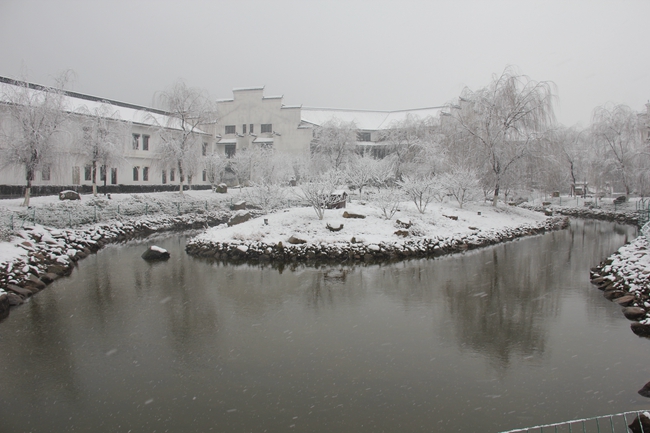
(181, 137)
(504, 120)
(101, 139)
(334, 144)
(616, 128)
(34, 128)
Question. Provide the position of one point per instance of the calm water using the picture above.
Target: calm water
(499, 338)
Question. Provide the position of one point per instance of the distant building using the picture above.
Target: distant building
(248, 119)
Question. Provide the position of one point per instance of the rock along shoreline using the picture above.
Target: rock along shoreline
(52, 253)
(355, 252)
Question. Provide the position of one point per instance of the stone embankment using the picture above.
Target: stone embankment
(354, 252)
(52, 253)
(628, 217)
(624, 278)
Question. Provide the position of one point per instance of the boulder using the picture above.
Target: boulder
(20, 291)
(239, 217)
(69, 195)
(634, 313)
(222, 188)
(240, 205)
(640, 424)
(4, 305)
(155, 253)
(640, 329)
(334, 229)
(347, 214)
(14, 299)
(295, 240)
(35, 281)
(403, 223)
(645, 391)
(402, 233)
(624, 300)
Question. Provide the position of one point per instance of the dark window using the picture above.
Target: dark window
(145, 142)
(164, 177)
(145, 174)
(45, 173)
(243, 129)
(102, 173)
(136, 141)
(230, 129)
(267, 127)
(204, 149)
(172, 175)
(251, 128)
(205, 175)
(113, 176)
(363, 136)
(88, 172)
(230, 150)
(136, 173)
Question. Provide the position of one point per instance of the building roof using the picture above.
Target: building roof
(79, 103)
(364, 119)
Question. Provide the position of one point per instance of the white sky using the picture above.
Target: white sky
(370, 54)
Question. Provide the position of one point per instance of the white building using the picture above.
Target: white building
(248, 119)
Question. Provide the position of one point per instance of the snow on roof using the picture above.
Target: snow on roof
(242, 89)
(263, 140)
(77, 103)
(364, 119)
(227, 141)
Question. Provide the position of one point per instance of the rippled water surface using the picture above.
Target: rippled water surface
(503, 337)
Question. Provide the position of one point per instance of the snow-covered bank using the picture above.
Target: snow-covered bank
(624, 278)
(296, 235)
(623, 217)
(45, 254)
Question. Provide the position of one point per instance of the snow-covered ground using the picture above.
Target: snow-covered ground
(374, 228)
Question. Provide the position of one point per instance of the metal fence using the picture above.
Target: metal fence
(602, 424)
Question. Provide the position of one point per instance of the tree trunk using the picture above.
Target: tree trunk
(181, 177)
(28, 189)
(495, 199)
(94, 179)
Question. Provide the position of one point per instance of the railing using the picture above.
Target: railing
(602, 424)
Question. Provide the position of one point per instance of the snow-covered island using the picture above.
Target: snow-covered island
(361, 232)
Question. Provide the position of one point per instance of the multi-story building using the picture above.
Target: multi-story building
(248, 119)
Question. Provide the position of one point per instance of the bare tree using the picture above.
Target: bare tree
(181, 135)
(101, 141)
(461, 181)
(318, 192)
(616, 128)
(388, 200)
(421, 190)
(361, 171)
(334, 143)
(505, 119)
(406, 140)
(36, 126)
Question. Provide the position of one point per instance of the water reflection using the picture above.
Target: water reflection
(490, 339)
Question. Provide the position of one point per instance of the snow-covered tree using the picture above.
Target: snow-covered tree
(318, 191)
(100, 141)
(406, 140)
(181, 136)
(505, 119)
(35, 128)
(214, 167)
(461, 181)
(616, 128)
(361, 171)
(388, 200)
(334, 144)
(420, 190)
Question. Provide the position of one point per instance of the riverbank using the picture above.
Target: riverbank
(624, 278)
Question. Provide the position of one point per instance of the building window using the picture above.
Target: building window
(145, 142)
(230, 150)
(267, 127)
(363, 136)
(113, 176)
(204, 149)
(172, 175)
(88, 172)
(102, 173)
(45, 173)
(251, 128)
(243, 129)
(136, 173)
(164, 177)
(145, 174)
(230, 129)
(205, 175)
(136, 141)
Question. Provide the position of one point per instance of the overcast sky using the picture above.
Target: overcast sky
(385, 55)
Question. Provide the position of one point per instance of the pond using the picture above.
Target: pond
(497, 338)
